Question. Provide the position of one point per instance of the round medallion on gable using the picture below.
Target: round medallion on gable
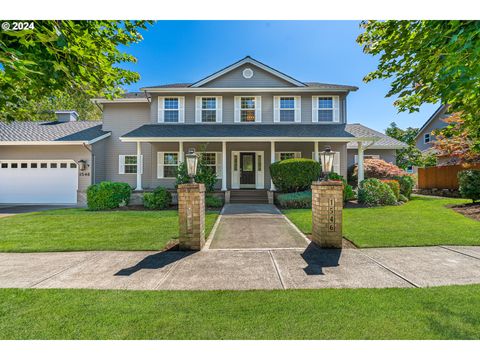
(247, 73)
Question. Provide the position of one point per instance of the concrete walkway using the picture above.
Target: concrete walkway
(309, 267)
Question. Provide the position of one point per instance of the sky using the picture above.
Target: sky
(322, 51)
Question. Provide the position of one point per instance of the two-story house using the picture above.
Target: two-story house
(241, 119)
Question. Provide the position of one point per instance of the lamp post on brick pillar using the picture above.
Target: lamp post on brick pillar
(191, 209)
(327, 205)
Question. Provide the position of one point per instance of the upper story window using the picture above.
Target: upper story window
(325, 109)
(171, 109)
(287, 108)
(248, 109)
(426, 138)
(208, 109)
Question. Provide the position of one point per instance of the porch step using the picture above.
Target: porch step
(248, 197)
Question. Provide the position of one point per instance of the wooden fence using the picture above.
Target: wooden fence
(441, 177)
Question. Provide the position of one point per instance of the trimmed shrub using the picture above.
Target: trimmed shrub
(406, 183)
(108, 195)
(395, 186)
(378, 169)
(205, 175)
(403, 198)
(348, 193)
(373, 192)
(213, 201)
(469, 181)
(294, 175)
(159, 199)
(297, 200)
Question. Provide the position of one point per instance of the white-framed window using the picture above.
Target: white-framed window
(171, 109)
(208, 109)
(167, 164)
(410, 169)
(129, 164)
(325, 109)
(426, 138)
(248, 109)
(287, 108)
(284, 155)
(367, 156)
(214, 161)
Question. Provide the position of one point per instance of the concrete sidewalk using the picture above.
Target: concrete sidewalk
(309, 267)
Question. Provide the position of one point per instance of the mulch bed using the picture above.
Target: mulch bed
(469, 210)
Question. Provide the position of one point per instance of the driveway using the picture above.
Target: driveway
(8, 209)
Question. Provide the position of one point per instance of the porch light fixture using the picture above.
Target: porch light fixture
(327, 162)
(192, 161)
(82, 165)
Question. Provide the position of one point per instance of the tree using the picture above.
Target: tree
(77, 57)
(429, 62)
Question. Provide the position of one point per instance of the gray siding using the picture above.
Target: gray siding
(389, 155)
(228, 107)
(260, 78)
(436, 123)
(98, 160)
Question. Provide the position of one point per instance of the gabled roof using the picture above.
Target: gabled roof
(439, 111)
(247, 60)
(52, 132)
(383, 142)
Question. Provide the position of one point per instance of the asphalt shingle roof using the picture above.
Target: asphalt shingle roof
(360, 130)
(309, 84)
(51, 131)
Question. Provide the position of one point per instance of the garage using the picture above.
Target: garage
(38, 182)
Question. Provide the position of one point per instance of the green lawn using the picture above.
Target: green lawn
(79, 229)
(421, 221)
(428, 313)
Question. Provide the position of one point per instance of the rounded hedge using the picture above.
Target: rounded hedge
(469, 184)
(406, 183)
(373, 192)
(108, 195)
(159, 199)
(294, 175)
(395, 186)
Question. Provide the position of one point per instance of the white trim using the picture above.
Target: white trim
(53, 142)
(309, 89)
(336, 118)
(218, 163)
(93, 141)
(121, 164)
(161, 164)
(235, 174)
(224, 166)
(244, 139)
(378, 147)
(238, 109)
(199, 109)
(296, 154)
(297, 117)
(260, 172)
(120, 100)
(161, 109)
(247, 60)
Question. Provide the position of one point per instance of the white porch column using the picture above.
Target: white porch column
(181, 155)
(139, 166)
(360, 163)
(315, 151)
(224, 166)
(272, 160)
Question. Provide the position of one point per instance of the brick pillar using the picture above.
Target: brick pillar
(191, 216)
(327, 205)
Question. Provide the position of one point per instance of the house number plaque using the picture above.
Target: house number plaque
(331, 215)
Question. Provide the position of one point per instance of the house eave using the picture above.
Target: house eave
(55, 142)
(248, 90)
(243, 139)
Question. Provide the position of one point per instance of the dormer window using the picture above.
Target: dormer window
(325, 109)
(208, 109)
(248, 109)
(171, 109)
(287, 108)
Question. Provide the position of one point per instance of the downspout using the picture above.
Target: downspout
(92, 178)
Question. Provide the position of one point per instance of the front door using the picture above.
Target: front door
(247, 170)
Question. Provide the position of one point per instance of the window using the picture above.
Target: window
(73, 166)
(14, 166)
(43, 165)
(248, 109)
(33, 165)
(53, 165)
(325, 109)
(24, 165)
(167, 164)
(4, 166)
(213, 160)
(287, 108)
(410, 169)
(128, 164)
(63, 165)
(209, 109)
(171, 109)
(279, 156)
(426, 138)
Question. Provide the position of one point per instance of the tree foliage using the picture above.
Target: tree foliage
(76, 57)
(429, 62)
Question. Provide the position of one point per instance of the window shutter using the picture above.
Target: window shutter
(140, 164)
(236, 116)
(336, 109)
(314, 108)
(355, 159)
(298, 109)
(198, 109)
(181, 109)
(160, 165)
(298, 154)
(219, 109)
(218, 164)
(277, 156)
(336, 162)
(276, 109)
(258, 109)
(160, 109)
(121, 164)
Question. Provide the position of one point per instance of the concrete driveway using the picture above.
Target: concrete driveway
(9, 209)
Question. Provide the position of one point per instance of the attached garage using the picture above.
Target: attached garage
(38, 182)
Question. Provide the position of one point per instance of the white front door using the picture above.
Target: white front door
(38, 182)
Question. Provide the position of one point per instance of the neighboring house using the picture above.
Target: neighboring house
(425, 138)
(242, 118)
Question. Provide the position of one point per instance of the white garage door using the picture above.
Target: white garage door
(38, 182)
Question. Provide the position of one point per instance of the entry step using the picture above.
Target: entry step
(248, 197)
